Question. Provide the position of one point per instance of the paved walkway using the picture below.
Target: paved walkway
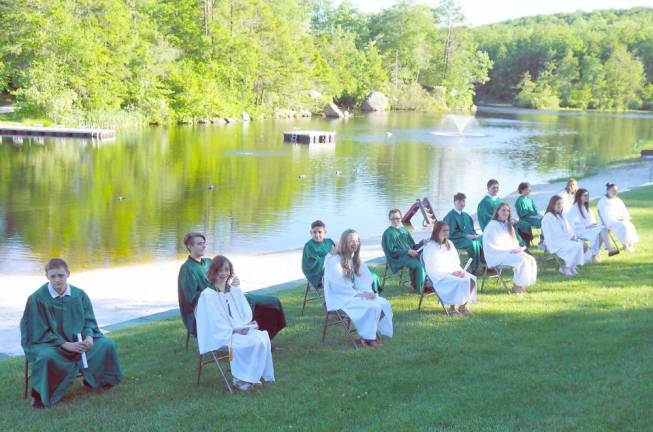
(129, 295)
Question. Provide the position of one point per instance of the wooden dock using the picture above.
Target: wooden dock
(56, 132)
(309, 137)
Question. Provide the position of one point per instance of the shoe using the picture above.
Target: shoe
(37, 403)
(595, 259)
(463, 310)
(613, 252)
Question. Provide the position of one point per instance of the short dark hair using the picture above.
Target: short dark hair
(395, 210)
(56, 263)
(216, 265)
(189, 237)
(609, 185)
(459, 196)
(492, 182)
(522, 186)
(318, 223)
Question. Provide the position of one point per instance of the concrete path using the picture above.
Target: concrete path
(133, 294)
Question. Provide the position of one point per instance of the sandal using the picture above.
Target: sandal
(463, 310)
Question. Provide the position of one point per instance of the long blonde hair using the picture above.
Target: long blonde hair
(343, 251)
(495, 217)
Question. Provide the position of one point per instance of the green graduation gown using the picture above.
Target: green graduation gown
(486, 209)
(461, 225)
(526, 208)
(49, 322)
(267, 310)
(396, 242)
(313, 260)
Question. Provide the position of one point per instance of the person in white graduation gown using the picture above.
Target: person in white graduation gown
(568, 195)
(442, 263)
(560, 238)
(501, 248)
(582, 221)
(615, 216)
(348, 287)
(224, 318)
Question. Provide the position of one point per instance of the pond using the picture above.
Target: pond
(132, 199)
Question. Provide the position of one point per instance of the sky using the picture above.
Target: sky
(479, 12)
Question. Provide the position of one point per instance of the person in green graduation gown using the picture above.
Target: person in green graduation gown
(401, 251)
(488, 205)
(54, 316)
(314, 252)
(529, 215)
(462, 233)
(268, 311)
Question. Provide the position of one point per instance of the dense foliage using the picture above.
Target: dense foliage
(598, 60)
(76, 60)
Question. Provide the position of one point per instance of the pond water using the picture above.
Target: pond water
(61, 197)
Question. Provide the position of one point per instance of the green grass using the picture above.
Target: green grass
(572, 354)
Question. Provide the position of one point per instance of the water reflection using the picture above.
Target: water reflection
(60, 197)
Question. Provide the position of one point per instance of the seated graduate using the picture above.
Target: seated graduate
(348, 287)
(58, 329)
(401, 251)
(582, 221)
(224, 318)
(529, 215)
(462, 232)
(314, 252)
(191, 281)
(616, 217)
(488, 204)
(501, 248)
(560, 238)
(454, 285)
(568, 195)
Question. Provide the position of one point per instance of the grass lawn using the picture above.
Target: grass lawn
(572, 354)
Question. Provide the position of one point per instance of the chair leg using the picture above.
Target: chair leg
(385, 275)
(347, 324)
(199, 369)
(224, 376)
(419, 305)
(483, 278)
(26, 385)
(308, 285)
(187, 338)
(324, 327)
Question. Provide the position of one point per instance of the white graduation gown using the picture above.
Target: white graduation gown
(252, 352)
(567, 201)
(558, 235)
(497, 247)
(340, 294)
(440, 263)
(584, 225)
(615, 216)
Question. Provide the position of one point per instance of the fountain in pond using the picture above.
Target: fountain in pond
(460, 123)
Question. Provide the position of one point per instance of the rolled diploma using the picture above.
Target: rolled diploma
(84, 361)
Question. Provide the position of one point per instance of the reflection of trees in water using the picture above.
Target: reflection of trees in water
(59, 198)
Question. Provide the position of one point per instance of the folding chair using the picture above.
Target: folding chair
(613, 238)
(339, 318)
(214, 356)
(401, 276)
(429, 291)
(317, 295)
(498, 274)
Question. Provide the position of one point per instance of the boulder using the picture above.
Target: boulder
(217, 120)
(331, 110)
(203, 121)
(375, 101)
(245, 117)
(303, 113)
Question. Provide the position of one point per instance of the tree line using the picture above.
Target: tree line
(597, 60)
(103, 61)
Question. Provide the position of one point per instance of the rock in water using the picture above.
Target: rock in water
(245, 117)
(331, 110)
(375, 101)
